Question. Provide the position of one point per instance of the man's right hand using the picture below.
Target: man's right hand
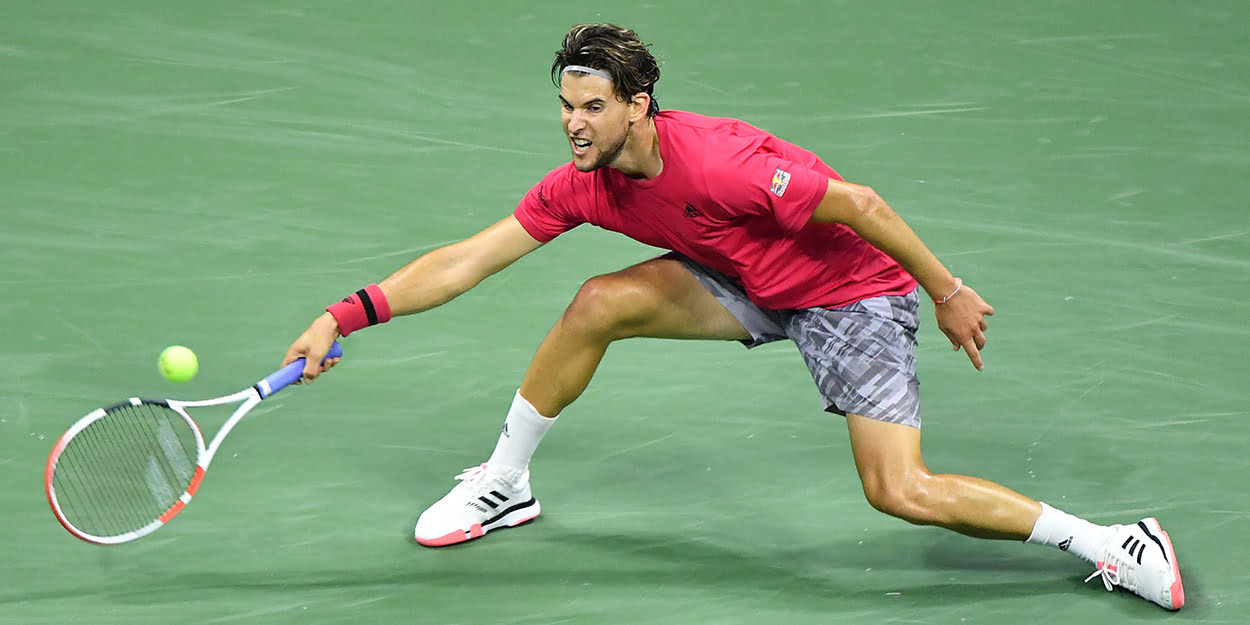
(313, 345)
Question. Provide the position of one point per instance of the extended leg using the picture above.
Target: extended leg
(1137, 557)
(897, 482)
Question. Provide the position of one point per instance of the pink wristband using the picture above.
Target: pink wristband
(364, 308)
(959, 284)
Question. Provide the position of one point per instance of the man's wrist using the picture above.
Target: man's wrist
(958, 286)
(328, 320)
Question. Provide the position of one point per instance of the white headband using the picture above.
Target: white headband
(587, 70)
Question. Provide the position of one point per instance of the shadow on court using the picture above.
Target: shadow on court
(892, 568)
(832, 573)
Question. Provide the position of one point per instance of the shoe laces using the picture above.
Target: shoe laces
(1110, 572)
(478, 477)
(472, 474)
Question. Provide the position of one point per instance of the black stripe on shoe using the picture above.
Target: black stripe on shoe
(488, 502)
(1142, 525)
(508, 511)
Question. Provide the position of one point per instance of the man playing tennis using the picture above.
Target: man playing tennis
(768, 243)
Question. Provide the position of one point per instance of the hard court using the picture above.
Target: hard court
(214, 174)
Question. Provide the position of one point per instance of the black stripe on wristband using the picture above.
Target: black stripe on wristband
(370, 313)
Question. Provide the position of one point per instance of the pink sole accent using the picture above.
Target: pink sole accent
(1178, 589)
(525, 520)
(460, 536)
(452, 538)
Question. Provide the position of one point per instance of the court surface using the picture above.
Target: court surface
(212, 174)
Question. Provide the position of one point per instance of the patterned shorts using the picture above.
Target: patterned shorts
(862, 356)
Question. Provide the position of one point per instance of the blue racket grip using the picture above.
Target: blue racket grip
(291, 373)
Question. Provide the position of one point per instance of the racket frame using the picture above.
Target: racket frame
(247, 399)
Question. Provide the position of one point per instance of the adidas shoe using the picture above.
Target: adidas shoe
(483, 500)
(1140, 558)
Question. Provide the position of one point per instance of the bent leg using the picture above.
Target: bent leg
(897, 482)
(658, 298)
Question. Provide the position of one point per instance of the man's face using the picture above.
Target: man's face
(596, 122)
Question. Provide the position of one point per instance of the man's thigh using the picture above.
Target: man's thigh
(863, 356)
(666, 300)
(761, 325)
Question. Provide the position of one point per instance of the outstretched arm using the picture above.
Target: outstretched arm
(962, 316)
(427, 282)
(443, 274)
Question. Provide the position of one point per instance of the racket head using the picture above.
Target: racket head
(122, 472)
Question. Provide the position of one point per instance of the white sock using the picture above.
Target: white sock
(522, 431)
(1069, 533)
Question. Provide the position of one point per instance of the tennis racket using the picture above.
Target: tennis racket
(122, 472)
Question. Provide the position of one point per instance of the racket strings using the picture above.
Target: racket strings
(126, 469)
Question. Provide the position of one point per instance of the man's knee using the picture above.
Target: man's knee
(907, 497)
(612, 304)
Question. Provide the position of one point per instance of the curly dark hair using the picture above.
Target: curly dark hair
(614, 50)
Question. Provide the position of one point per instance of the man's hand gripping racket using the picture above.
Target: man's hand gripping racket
(122, 472)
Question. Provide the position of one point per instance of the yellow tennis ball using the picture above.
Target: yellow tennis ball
(178, 364)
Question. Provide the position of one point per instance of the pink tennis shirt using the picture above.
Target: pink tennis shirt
(731, 197)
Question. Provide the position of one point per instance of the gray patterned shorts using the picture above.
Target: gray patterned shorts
(862, 356)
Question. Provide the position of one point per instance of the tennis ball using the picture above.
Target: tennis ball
(178, 364)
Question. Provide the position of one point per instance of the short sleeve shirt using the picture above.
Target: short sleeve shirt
(734, 198)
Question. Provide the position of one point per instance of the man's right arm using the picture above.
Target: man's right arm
(432, 280)
(443, 274)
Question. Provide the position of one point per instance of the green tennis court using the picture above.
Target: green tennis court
(213, 174)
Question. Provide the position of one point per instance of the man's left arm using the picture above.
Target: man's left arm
(960, 316)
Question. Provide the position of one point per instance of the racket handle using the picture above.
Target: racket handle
(289, 374)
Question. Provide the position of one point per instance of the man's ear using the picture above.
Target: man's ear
(638, 106)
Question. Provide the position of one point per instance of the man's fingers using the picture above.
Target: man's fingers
(950, 336)
(974, 354)
(311, 370)
(312, 365)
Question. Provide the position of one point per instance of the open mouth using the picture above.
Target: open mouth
(580, 146)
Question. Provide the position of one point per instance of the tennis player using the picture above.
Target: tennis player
(767, 243)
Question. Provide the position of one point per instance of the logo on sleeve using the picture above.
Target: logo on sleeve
(781, 180)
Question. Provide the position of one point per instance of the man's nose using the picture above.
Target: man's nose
(577, 122)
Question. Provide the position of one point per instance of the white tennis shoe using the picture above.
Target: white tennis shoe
(483, 500)
(1140, 558)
